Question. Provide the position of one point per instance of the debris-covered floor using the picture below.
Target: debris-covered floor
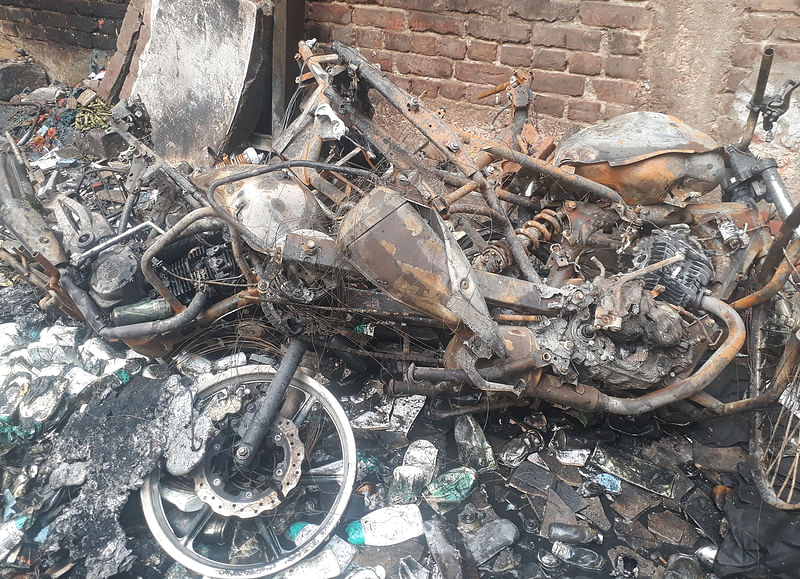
(429, 432)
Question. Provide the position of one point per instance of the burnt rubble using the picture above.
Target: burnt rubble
(338, 356)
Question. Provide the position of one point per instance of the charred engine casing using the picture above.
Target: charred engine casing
(652, 343)
(683, 282)
(203, 263)
(116, 277)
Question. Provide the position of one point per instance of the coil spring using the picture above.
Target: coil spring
(544, 226)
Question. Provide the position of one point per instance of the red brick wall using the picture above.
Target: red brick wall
(81, 23)
(585, 56)
(589, 59)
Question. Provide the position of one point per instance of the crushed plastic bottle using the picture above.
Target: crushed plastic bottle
(580, 557)
(473, 449)
(11, 533)
(683, 567)
(423, 454)
(447, 557)
(331, 561)
(574, 534)
(386, 526)
(517, 449)
(490, 538)
(449, 489)
(407, 483)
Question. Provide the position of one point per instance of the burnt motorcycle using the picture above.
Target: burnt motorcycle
(439, 264)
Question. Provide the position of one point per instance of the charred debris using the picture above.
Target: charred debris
(348, 354)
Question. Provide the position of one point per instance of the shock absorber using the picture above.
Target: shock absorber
(543, 227)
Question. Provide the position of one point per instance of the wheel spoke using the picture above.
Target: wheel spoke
(198, 522)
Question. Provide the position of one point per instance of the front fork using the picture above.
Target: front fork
(270, 404)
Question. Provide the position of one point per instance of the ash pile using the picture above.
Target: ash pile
(351, 353)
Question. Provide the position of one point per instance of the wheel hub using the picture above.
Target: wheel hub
(231, 492)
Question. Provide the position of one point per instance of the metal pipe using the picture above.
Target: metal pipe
(757, 98)
(232, 303)
(491, 374)
(482, 407)
(126, 211)
(80, 259)
(572, 183)
(270, 403)
(478, 210)
(238, 257)
(773, 286)
(160, 243)
(87, 307)
(158, 327)
(695, 383)
(777, 192)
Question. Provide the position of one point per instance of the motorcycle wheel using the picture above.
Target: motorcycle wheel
(774, 360)
(206, 536)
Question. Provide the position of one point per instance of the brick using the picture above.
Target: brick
(369, 38)
(344, 34)
(103, 42)
(473, 90)
(734, 78)
(425, 44)
(546, 10)
(615, 90)
(514, 55)
(380, 17)
(91, 8)
(550, 59)
(482, 73)
(400, 41)
(625, 43)
(431, 5)
(441, 23)
(760, 26)
(746, 55)
(327, 12)
(585, 63)
(480, 50)
(775, 5)
(615, 15)
(318, 30)
(469, 6)
(584, 111)
(558, 82)
(380, 57)
(454, 48)
(452, 89)
(790, 52)
(623, 67)
(425, 87)
(433, 66)
(32, 31)
(548, 105)
(401, 81)
(505, 31)
(789, 29)
(615, 110)
(9, 28)
(16, 14)
(71, 37)
(567, 37)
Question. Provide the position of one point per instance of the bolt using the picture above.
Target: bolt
(310, 247)
(453, 146)
(279, 472)
(216, 482)
(277, 438)
(44, 239)
(217, 447)
(248, 495)
(571, 206)
(242, 453)
(464, 284)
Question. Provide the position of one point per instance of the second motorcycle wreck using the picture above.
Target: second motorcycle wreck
(489, 351)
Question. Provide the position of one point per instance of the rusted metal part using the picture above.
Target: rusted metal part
(490, 405)
(774, 285)
(631, 138)
(518, 318)
(238, 255)
(462, 191)
(442, 135)
(779, 242)
(575, 184)
(515, 294)
(758, 97)
(497, 217)
(674, 177)
(701, 378)
(244, 298)
(416, 262)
